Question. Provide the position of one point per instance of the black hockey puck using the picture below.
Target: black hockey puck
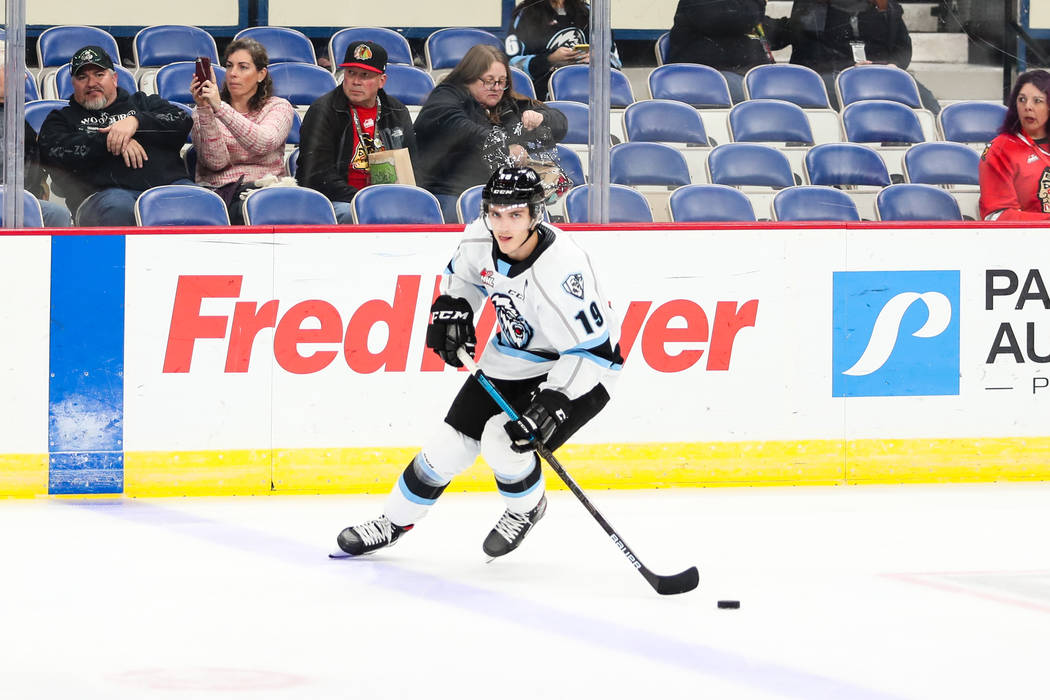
(729, 604)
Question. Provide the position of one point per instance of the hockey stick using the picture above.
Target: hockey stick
(682, 582)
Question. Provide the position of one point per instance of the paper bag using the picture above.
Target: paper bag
(391, 166)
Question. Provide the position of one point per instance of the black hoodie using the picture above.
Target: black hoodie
(75, 153)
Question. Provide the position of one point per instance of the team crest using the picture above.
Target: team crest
(984, 154)
(363, 53)
(515, 330)
(573, 284)
(1044, 189)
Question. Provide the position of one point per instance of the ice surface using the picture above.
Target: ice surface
(846, 592)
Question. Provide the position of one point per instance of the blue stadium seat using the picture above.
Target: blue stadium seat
(180, 205)
(814, 203)
(396, 45)
(749, 164)
(661, 47)
(64, 81)
(574, 83)
(468, 206)
(56, 45)
(710, 203)
(282, 44)
(445, 47)
(395, 204)
(572, 165)
(877, 82)
(881, 121)
(644, 163)
(31, 214)
(409, 84)
(692, 83)
(971, 122)
(173, 81)
(32, 91)
(291, 162)
(287, 206)
(626, 205)
(845, 164)
(37, 111)
(941, 163)
(664, 121)
(578, 117)
(770, 120)
(161, 44)
(300, 83)
(789, 82)
(915, 202)
(293, 133)
(522, 83)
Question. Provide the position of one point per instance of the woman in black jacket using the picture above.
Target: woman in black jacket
(543, 36)
(473, 122)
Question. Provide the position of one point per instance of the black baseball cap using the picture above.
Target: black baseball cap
(90, 56)
(365, 54)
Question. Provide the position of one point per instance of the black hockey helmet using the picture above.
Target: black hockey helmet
(511, 185)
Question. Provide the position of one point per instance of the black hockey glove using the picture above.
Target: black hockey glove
(451, 326)
(539, 421)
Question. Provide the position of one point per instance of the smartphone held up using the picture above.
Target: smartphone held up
(202, 68)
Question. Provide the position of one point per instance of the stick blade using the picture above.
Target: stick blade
(677, 583)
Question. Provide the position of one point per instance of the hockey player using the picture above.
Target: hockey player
(553, 356)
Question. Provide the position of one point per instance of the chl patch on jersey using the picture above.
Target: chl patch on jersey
(488, 277)
(573, 284)
(515, 329)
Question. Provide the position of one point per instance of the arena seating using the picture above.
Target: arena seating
(282, 44)
(180, 205)
(31, 214)
(287, 206)
(395, 204)
(813, 203)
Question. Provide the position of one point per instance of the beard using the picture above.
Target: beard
(94, 103)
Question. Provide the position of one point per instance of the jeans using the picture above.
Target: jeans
(113, 206)
(55, 215)
(342, 212)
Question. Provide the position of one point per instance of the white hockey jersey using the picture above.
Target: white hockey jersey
(552, 316)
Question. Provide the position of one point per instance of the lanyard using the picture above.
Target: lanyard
(371, 144)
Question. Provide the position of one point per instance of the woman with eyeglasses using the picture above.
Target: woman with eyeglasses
(473, 122)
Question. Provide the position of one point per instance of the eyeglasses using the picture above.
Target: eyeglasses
(500, 84)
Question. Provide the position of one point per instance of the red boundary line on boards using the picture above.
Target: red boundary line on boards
(417, 228)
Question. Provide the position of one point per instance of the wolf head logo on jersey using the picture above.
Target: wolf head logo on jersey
(515, 330)
(573, 284)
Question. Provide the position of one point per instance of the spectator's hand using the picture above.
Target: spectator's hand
(530, 119)
(563, 56)
(518, 154)
(134, 154)
(206, 93)
(119, 133)
(583, 57)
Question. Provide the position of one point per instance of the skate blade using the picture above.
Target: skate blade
(339, 554)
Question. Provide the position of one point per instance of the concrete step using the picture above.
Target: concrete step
(917, 15)
(960, 81)
(925, 48)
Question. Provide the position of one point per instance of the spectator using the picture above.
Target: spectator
(543, 35)
(344, 126)
(473, 122)
(107, 147)
(732, 36)
(239, 131)
(832, 35)
(33, 177)
(1015, 168)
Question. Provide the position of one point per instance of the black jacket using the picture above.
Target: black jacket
(75, 154)
(723, 34)
(458, 144)
(326, 141)
(33, 176)
(825, 46)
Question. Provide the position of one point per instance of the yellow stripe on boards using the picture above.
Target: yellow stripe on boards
(23, 475)
(198, 473)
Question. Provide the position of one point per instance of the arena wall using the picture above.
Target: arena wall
(261, 361)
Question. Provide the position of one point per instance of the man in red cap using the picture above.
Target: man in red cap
(342, 127)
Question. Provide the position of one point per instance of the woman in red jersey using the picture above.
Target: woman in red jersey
(1015, 168)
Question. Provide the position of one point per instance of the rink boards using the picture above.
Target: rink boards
(215, 361)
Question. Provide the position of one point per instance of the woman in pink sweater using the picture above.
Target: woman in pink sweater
(239, 130)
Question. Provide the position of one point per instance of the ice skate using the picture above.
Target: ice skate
(368, 537)
(511, 530)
